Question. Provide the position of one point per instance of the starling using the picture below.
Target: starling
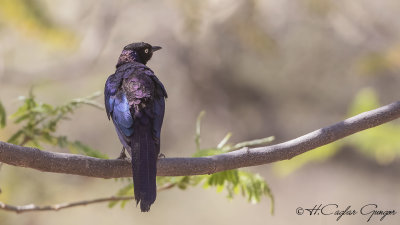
(135, 102)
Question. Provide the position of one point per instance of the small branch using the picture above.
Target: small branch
(32, 207)
(26, 140)
(245, 157)
(251, 143)
(57, 207)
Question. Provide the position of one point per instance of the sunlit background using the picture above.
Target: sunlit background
(258, 68)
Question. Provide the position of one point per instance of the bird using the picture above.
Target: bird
(135, 102)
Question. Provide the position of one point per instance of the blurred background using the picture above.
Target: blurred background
(258, 68)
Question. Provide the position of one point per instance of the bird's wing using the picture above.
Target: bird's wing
(158, 107)
(113, 85)
(117, 106)
(110, 90)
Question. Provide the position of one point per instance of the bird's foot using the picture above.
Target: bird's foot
(122, 155)
(161, 156)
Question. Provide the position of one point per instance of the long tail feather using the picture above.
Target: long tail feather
(144, 166)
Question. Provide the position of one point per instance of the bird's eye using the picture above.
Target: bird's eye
(146, 50)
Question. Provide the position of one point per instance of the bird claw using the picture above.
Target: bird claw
(161, 156)
(122, 155)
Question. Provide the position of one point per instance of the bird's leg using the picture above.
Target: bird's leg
(122, 155)
(161, 156)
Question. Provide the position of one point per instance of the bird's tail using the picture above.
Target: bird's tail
(144, 166)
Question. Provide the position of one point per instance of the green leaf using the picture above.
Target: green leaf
(365, 100)
(62, 141)
(207, 152)
(20, 111)
(127, 190)
(184, 182)
(320, 154)
(14, 139)
(111, 204)
(22, 117)
(254, 187)
(380, 143)
(48, 138)
(161, 181)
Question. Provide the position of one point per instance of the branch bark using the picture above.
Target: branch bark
(245, 157)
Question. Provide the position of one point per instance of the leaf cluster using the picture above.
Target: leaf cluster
(38, 123)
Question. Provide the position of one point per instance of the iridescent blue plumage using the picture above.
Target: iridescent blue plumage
(122, 115)
(135, 101)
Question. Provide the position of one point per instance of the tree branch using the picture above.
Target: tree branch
(57, 207)
(245, 157)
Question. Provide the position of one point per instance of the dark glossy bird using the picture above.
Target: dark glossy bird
(135, 102)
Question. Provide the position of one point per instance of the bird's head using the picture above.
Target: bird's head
(137, 52)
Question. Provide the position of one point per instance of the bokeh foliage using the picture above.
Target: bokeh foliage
(378, 62)
(29, 17)
(382, 143)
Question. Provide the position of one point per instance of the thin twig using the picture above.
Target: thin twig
(26, 140)
(57, 207)
(32, 207)
(251, 143)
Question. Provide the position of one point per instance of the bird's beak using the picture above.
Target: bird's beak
(155, 48)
